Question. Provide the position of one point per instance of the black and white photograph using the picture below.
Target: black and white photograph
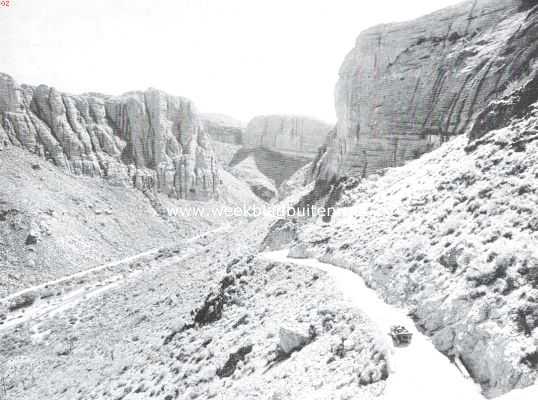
(268, 200)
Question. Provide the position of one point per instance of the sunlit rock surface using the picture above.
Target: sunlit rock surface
(223, 128)
(292, 135)
(150, 139)
(407, 87)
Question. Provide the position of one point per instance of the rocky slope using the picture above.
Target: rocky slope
(53, 223)
(205, 321)
(248, 172)
(292, 135)
(407, 87)
(152, 139)
(117, 166)
(452, 237)
(296, 182)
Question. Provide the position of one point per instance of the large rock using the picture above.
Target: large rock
(290, 135)
(407, 87)
(150, 139)
(291, 340)
(281, 233)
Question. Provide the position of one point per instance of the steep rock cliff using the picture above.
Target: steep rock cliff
(152, 139)
(223, 128)
(291, 135)
(407, 87)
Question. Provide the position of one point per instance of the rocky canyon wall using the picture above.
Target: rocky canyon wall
(223, 128)
(150, 139)
(407, 87)
(292, 135)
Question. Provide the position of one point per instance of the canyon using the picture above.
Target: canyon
(431, 168)
(269, 151)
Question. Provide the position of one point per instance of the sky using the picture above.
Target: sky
(236, 57)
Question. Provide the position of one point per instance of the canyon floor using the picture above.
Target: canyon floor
(203, 319)
(198, 320)
(212, 312)
(444, 246)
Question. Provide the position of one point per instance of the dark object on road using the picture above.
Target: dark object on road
(400, 336)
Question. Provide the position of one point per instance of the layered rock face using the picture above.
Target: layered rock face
(407, 87)
(152, 139)
(275, 147)
(286, 134)
(223, 128)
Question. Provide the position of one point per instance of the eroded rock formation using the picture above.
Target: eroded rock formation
(290, 135)
(152, 139)
(409, 86)
(223, 128)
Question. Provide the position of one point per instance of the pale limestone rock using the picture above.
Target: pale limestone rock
(4, 140)
(292, 135)
(236, 191)
(291, 340)
(280, 234)
(296, 182)
(223, 128)
(407, 87)
(150, 139)
(298, 250)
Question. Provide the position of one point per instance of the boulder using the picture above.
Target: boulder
(31, 239)
(291, 340)
(281, 233)
(298, 250)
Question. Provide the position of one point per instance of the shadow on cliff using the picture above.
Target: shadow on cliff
(276, 166)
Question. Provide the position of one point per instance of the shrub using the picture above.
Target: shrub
(526, 4)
